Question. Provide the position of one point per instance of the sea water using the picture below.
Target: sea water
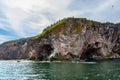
(36, 70)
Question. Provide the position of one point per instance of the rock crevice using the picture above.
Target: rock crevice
(72, 39)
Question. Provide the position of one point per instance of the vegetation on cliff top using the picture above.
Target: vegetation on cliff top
(50, 28)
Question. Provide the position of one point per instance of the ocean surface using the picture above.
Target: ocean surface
(35, 70)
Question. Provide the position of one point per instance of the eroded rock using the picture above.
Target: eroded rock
(74, 39)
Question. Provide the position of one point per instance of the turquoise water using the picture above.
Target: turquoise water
(31, 70)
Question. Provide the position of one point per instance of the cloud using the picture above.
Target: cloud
(4, 38)
(24, 18)
(21, 12)
(99, 10)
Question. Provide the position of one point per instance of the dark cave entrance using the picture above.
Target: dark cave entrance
(44, 51)
(89, 52)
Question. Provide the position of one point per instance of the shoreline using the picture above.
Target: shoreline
(79, 61)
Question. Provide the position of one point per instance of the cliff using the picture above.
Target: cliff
(68, 39)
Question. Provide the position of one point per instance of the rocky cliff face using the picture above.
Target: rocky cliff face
(68, 39)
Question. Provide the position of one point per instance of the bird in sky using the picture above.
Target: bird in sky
(112, 6)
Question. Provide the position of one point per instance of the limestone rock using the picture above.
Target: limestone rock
(68, 39)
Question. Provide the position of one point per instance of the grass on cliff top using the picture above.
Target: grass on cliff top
(50, 28)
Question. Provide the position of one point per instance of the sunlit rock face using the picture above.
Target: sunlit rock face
(74, 39)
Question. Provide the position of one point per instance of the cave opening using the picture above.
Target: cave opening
(88, 54)
(44, 51)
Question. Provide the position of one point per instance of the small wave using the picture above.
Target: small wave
(89, 62)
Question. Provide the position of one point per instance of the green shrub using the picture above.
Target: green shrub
(50, 28)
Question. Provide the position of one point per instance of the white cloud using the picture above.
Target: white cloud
(30, 17)
(15, 17)
(105, 5)
(4, 38)
(107, 11)
(20, 10)
(101, 12)
(4, 28)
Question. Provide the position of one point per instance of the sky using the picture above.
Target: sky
(26, 18)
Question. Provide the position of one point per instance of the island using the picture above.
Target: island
(69, 39)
